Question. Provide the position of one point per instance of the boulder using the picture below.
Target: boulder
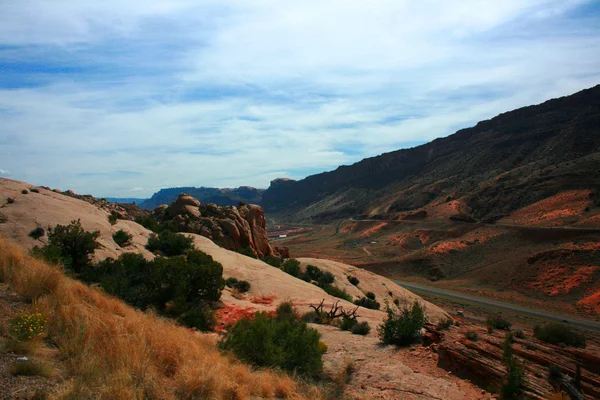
(184, 205)
(283, 252)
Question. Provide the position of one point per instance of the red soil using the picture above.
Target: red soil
(373, 230)
(557, 280)
(591, 303)
(554, 210)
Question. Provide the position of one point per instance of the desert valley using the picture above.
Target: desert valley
(464, 268)
(300, 199)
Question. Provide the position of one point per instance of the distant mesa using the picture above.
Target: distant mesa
(220, 197)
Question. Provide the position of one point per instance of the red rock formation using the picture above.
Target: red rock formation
(283, 251)
(232, 227)
(481, 362)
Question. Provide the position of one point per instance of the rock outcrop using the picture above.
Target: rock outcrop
(481, 362)
(233, 227)
(127, 212)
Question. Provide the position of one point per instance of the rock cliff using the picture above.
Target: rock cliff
(233, 227)
(498, 166)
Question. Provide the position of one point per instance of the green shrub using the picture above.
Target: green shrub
(27, 326)
(310, 317)
(240, 286)
(520, 334)
(337, 292)
(122, 238)
(231, 282)
(37, 233)
(515, 376)
(397, 302)
(247, 251)
(24, 191)
(113, 218)
(170, 243)
(471, 335)
(286, 312)
(353, 280)
(291, 266)
(444, 324)
(371, 295)
(273, 261)
(70, 245)
(149, 222)
(265, 341)
(347, 324)
(490, 329)
(35, 190)
(176, 285)
(554, 372)
(403, 327)
(557, 334)
(498, 322)
(10, 200)
(323, 278)
(367, 303)
(361, 328)
(202, 318)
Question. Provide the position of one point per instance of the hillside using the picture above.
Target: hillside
(164, 360)
(110, 322)
(220, 197)
(494, 168)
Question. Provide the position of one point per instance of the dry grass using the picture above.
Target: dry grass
(112, 351)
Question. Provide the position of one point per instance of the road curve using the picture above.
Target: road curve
(580, 323)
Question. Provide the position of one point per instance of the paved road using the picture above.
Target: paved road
(498, 305)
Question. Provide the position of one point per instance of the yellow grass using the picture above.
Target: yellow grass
(112, 351)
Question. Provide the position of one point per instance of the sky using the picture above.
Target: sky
(122, 98)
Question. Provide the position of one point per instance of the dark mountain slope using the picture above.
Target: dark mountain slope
(524, 155)
(221, 197)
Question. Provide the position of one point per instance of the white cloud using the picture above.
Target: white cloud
(4, 172)
(237, 93)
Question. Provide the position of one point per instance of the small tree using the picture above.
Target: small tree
(403, 327)
(291, 266)
(515, 376)
(113, 218)
(170, 243)
(122, 238)
(71, 245)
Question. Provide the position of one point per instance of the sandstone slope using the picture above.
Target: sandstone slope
(379, 371)
(49, 208)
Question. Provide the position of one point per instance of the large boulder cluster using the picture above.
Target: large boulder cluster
(232, 227)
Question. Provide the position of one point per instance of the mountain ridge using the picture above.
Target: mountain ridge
(556, 131)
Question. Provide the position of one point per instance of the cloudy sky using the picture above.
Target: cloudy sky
(120, 98)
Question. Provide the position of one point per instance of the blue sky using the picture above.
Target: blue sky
(121, 98)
